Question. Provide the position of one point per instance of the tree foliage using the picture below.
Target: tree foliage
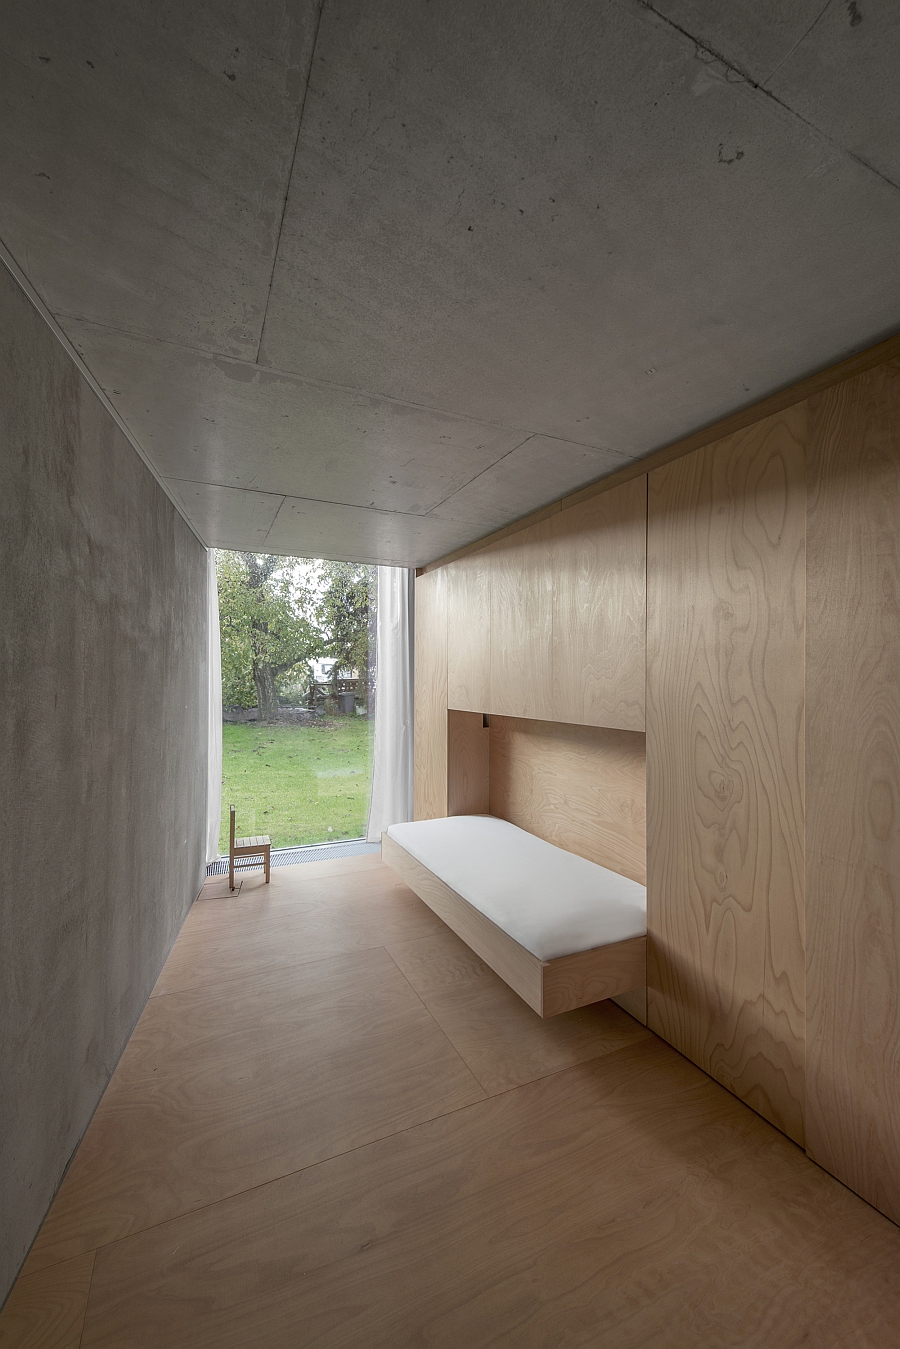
(343, 613)
(267, 624)
(277, 615)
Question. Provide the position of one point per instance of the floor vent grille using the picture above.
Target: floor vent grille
(311, 852)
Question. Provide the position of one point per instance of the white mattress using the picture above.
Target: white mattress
(552, 902)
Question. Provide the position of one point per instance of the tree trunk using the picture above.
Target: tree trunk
(266, 695)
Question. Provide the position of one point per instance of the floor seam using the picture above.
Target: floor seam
(540, 1076)
(318, 960)
(285, 1175)
(459, 1054)
(571, 1067)
(273, 1180)
(296, 970)
(87, 1300)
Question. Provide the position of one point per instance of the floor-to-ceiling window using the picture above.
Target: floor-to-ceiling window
(297, 692)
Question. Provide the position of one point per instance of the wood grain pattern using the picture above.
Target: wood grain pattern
(725, 708)
(225, 1087)
(548, 1210)
(46, 1310)
(794, 394)
(469, 633)
(579, 787)
(552, 622)
(550, 986)
(625, 1203)
(312, 919)
(468, 764)
(590, 976)
(522, 625)
(598, 557)
(430, 752)
(853, 785)
(497, 1034)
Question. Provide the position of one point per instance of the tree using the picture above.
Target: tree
(343, 613)
(266, 606)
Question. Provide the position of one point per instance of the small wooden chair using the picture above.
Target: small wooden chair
(259, 845)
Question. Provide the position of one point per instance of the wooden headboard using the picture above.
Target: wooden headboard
(580, 787)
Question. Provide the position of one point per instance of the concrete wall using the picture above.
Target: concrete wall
(102, 754)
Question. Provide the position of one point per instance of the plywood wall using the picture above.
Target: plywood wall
(522, 624)
(599, 609)
(582, 788)
(468, 763)
(469, 620)
(853, 785)
(725, 700)
(579, 787)
(550, 622)
(753, 581)
(430, 775)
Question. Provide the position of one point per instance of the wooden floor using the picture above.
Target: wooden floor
(333, 1126)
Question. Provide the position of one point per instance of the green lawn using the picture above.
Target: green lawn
(295, 782)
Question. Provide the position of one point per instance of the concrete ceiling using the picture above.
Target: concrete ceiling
(370, 278)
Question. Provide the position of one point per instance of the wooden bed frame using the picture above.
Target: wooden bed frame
(548, 986)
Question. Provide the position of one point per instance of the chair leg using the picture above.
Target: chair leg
(267, 860)
(231, 871)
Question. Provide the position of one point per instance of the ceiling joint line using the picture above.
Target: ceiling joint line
(287, 189)
(317, 381)
(274, 518)
(746, 78)
(312, 501)
(480, 474)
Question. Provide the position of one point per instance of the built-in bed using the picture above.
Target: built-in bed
(560, 930)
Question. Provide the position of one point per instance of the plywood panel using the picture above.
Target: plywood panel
(598, 561)
(591, 976)
(468, 764)
(293, 920)
(625, 1202)
(469, 629)
(431, 696)
(853, 785)
(521, 624)
(497, 1035)
(222, 1088)
(579, 787)
(46, 1310)
(635, 1171)
(725, 716)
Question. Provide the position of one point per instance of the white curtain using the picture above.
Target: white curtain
(392, 769)
(214, 712)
